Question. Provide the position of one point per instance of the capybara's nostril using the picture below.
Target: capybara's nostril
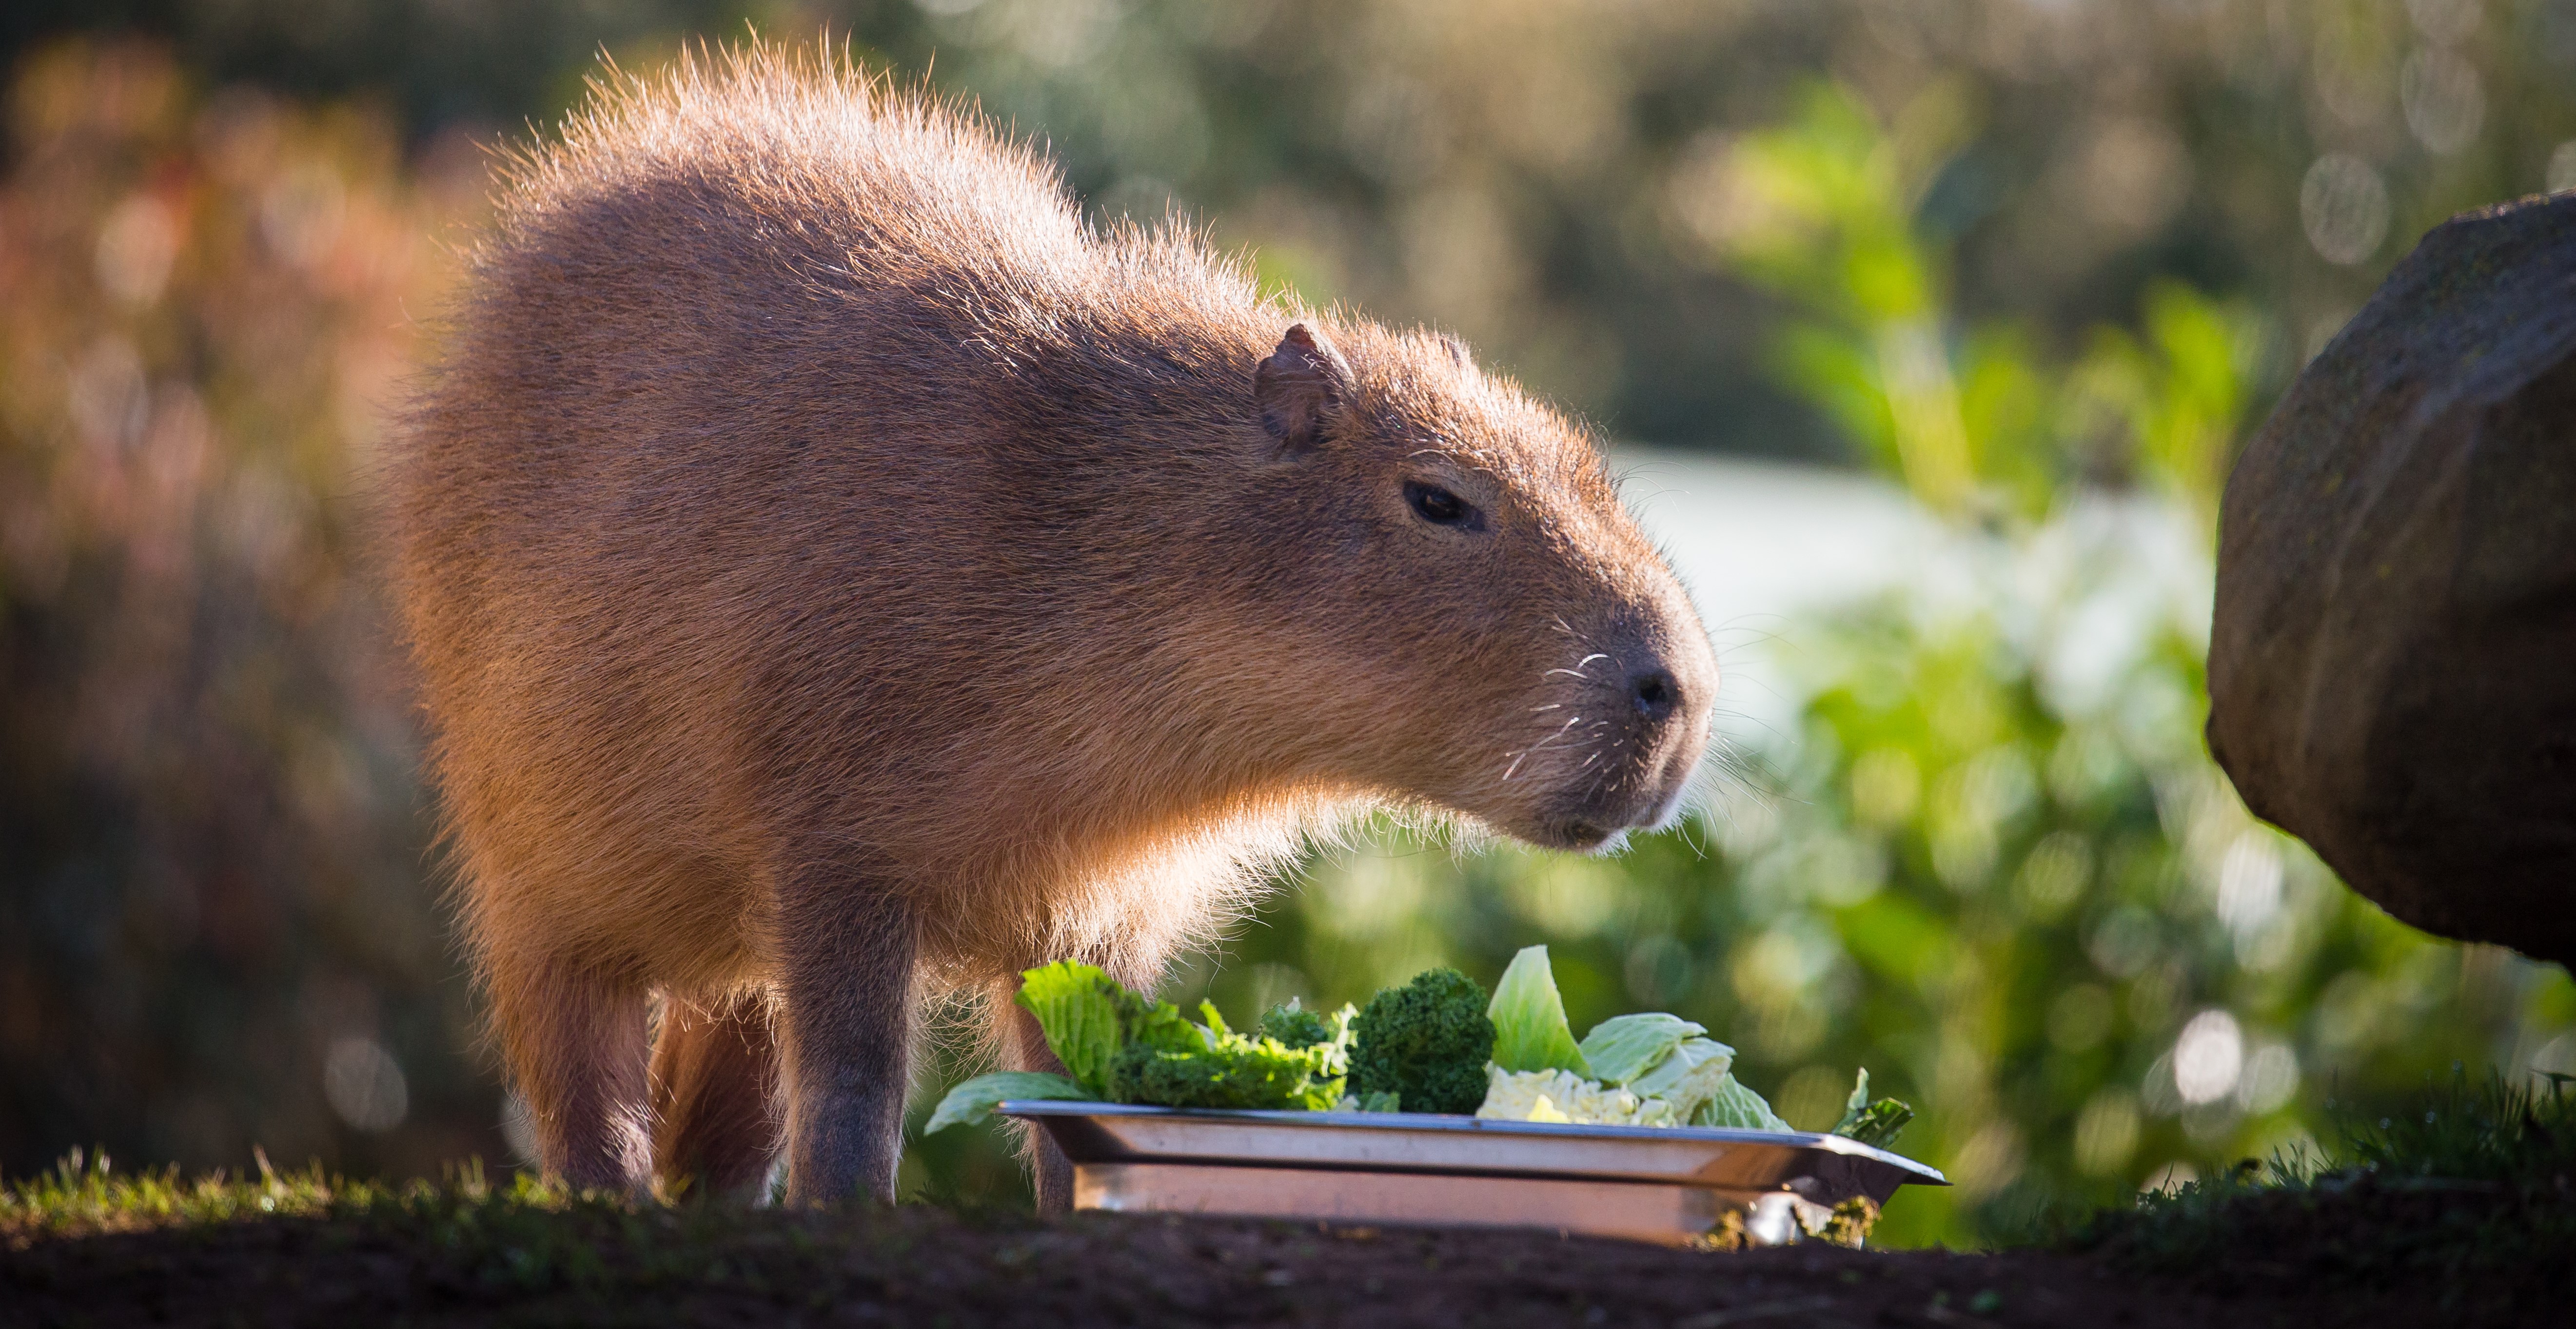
(1656, 694)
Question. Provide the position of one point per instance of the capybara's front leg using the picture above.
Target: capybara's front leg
(845, 1027)
(575, 1041)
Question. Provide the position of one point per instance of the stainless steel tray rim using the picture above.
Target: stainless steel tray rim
(1919, 1174)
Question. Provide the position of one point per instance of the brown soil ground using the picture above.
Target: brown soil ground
(923, 1266)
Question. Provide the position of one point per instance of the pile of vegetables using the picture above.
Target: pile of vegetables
(1118, 1046)
(1437, 1044)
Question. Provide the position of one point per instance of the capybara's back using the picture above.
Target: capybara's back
(839, 573)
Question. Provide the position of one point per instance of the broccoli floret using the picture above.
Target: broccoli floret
(1426, 1042)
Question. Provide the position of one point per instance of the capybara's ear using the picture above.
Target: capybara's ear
(1299, 387)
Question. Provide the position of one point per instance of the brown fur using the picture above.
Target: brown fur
(714, 1087)
(840, 575)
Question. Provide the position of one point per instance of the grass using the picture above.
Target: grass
(88, 1245)
(2463, 1201)
(521, 1237)
(2472, 1189)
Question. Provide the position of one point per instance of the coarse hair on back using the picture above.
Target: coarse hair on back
(940, 189)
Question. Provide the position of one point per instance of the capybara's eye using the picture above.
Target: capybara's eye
(1440, 507)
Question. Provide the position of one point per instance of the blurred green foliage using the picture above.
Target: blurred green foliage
(1968, 414)
(1538, 175)
(1994, 863)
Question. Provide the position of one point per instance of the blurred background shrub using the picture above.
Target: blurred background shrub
(217, 929)
(2038, 263)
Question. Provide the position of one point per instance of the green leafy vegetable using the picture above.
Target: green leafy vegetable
(972, 1102)
(1625, 1046)
(1688, 1077)
(1873, 1124)
(1739, 1107)
(1530, 1033)
(1078, 1006)
(1436, 1044)
(1235, 1072)
(1563, 1096)
(1294, 1025)
(1170, 1062)
(1145, 1022)
(1856, 1106)
(1426, 1043)
(1126, 1047)
(1644, 1069)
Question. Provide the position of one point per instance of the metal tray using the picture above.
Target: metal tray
(1651, 1183)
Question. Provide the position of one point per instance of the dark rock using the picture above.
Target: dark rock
(2392, 669)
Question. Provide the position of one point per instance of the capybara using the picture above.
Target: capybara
(841, 575)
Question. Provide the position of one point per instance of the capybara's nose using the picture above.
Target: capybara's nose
(1655, 693)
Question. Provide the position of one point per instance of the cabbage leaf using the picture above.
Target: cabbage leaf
(1530, 1033)
(1736, 1106)
(1624, 1047)
(1688, 1076)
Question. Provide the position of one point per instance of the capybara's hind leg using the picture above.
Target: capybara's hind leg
(575, 1042)
(1050, 1172)
(715, 1086)
(1138, 965)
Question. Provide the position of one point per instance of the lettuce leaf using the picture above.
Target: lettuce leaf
(1145, 1022)
(1078, 1007)
(1624, 1047)
(1530, 1033)
(1739, 1107)
(972, 1102)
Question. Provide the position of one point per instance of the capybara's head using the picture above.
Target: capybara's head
(1489, 632)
